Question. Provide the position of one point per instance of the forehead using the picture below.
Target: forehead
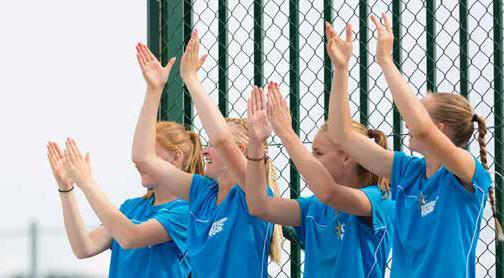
(322, 140)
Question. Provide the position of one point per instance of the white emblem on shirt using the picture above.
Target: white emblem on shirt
(340, 230)
(217, 227)
(427, 207)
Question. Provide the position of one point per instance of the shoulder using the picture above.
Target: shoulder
(133, 202)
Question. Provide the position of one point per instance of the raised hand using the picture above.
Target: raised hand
(154, 73)
(191, 62)
(259, 127)
(385, 40)
(278, 111)
(77, 166)
(339, 50)
(55, 157)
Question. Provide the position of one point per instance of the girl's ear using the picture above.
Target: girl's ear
(179, 156)
(242, 147)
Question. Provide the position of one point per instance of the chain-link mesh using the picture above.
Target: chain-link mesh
(240, 72)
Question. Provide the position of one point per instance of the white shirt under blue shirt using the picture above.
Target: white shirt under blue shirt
(338, 244)
(224, 240)
(437, 220)
(163, 260)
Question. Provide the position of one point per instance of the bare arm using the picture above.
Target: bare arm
(84, 244)
(127, 234)
(318, 179)
(213, 121)
(455, 159)
(144, 141)
(277, 210)
(340, 130)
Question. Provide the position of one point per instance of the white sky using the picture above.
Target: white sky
(67, 68)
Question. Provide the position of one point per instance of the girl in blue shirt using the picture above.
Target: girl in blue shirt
(147, 235)
(346, 227)
(439, 198)
(223, 240)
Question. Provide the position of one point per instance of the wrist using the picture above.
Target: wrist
(189, 77)
(156, 89)
(86, 183)
(385, 61)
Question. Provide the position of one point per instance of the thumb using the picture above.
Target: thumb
(170, 63)
(202, 60)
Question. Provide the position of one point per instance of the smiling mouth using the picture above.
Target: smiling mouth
(208, 161)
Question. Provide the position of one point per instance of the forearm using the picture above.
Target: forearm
(411, 109)
(214, 123)
(144, 141)
(340, 120)
(119, 226)
(316, 176)
(79, 238)
(255, 181)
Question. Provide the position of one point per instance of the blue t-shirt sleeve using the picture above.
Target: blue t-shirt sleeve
(481, 181)
(199, 184)
(304, 206)
(400, 165)
(175, 223)
(382, 208)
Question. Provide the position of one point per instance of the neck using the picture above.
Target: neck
(225, 184)
(431, 166)
(163, 195)
(352, 180)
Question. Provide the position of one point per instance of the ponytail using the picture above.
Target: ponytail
(195, 162)
(275, 251)
(482, 130)
(381, 139)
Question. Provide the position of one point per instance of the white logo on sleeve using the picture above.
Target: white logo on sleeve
(217, 227)
(426, 207)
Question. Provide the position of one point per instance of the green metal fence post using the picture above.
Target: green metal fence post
(188, 26)
(258, 43)
(223, 57)
(431, 45)
(295, 255)
(396, 25)
(464, 50)
(499, 129)
(363, 62)
(328, 16)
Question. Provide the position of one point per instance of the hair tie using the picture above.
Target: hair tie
(474, 118)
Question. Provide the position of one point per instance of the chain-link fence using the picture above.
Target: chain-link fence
(449, 46)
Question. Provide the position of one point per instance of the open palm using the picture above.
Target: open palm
(259, 126)
(154, 73)
(339, 50)
(55, 157)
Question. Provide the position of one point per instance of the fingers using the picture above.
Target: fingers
(262, 99)
(253, 101)
(348, 35)
(149, 57)
(376, 23)
(249, 107)
(142, 54)
(149, 53)
(257, 98)
(141, 59)
(202, 60)
(329, 31)
(51, 156)
(386, 19)
(72, 151)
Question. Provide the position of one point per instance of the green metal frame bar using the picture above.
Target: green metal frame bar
(223, 57)
(499, 129)
(294, 77)
(364, 62)
(431, 45)
(397, 55)
(188, 26)
(464, 48)
(258, 43)
(328, 16)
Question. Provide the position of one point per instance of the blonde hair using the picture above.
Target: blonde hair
(241, 136)
(456, 112)
(172, 136)
(380, 138)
